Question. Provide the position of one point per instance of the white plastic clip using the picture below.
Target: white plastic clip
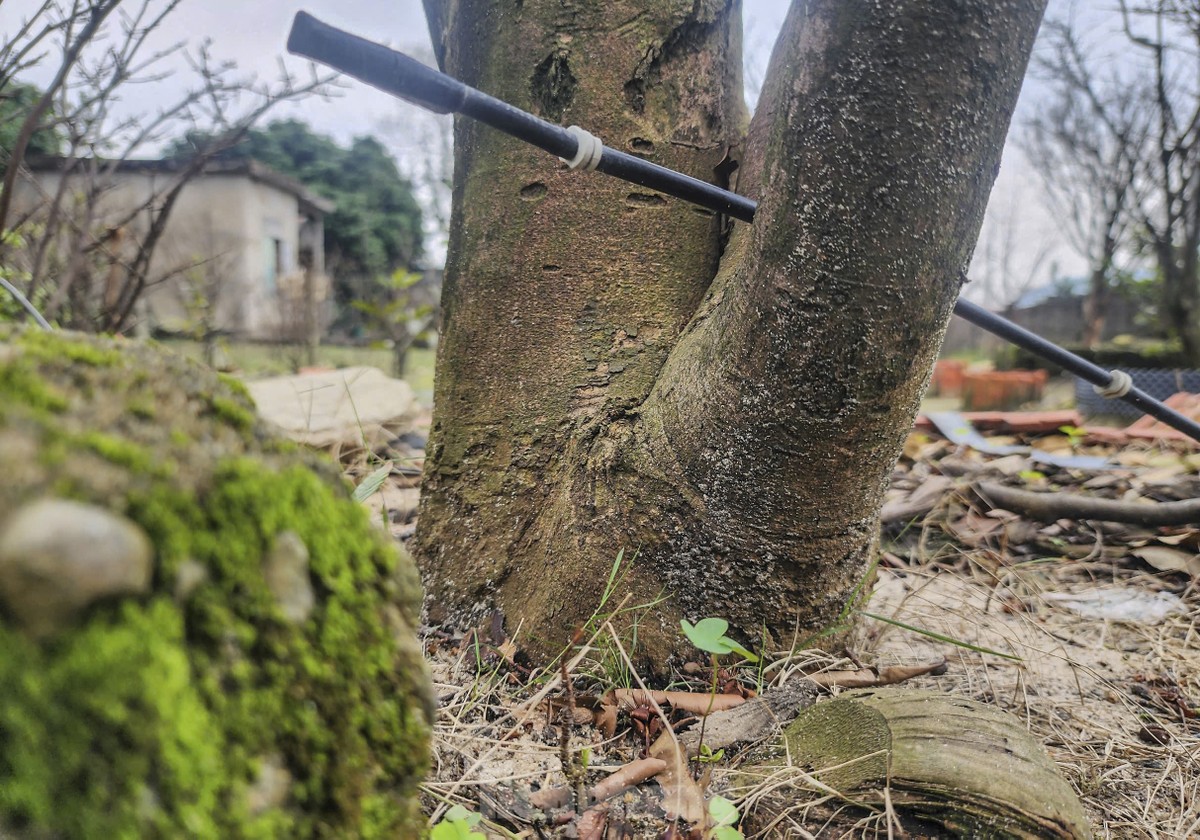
(588, 152)
(1117, 387)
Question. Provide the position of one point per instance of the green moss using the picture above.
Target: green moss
(232, 412)
(283, 446)
(20, 384)
(121, 452)
(61, 347)
(153, 718)
(342, 651)
(142, 409)
(112, 706)
(234, 384)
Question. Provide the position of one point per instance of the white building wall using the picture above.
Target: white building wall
(216, 240)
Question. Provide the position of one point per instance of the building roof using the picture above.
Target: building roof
(1063, 287)
(310, 202)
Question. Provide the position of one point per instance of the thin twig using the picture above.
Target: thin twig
(531, 708)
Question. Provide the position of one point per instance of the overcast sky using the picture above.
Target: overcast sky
(253, 32)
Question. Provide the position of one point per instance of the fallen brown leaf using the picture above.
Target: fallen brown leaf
(631, 774)
(872, 677)
(1166, 559)
(918, 503)
(682, 797)
(592, 824)
(1179, 539)
(606, 720)
(974, 528)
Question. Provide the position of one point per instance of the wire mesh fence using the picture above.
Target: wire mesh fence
(1159, 383)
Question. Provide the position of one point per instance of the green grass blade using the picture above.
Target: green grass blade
(939, 637)
(371, 484)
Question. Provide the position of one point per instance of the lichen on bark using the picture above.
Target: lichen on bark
(202, 707)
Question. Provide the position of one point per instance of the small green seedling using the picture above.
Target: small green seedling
(1075, 435)
(707, 756)
(458, 824)
(1031, 475)
(724, 816)
(708, 634)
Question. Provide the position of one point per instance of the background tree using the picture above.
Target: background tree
(89, 265)
(1128, 148)
(424, 145)
(607, 378)
(76, 26)
(16, 102)
(1009, 258)
(1088, 140)
(375, 228)
(406, 317)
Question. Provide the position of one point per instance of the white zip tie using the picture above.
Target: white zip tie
(588, 151)
(1117, 387)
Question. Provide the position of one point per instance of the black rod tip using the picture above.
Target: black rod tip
(379, 66)
(302, 33)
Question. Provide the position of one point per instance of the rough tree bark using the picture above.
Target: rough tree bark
(607, 379)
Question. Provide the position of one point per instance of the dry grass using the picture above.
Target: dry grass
(1113, 703)
(1097, 694)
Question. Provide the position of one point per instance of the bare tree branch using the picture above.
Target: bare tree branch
(1119, 153)
(96, 16)
(18, 53)
(79, 240)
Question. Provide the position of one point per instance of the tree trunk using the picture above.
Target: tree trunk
(1185, 307)
(600, 386)
(1181, 297)
(1095, 305)
(400, 347)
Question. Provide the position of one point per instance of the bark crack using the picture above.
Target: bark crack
(684, 40)
(553, 85)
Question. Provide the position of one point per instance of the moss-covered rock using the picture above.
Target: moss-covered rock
(201, 706)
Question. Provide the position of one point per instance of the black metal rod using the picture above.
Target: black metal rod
(1085, 370)
(402, 76)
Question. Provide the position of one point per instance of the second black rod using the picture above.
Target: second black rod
(403, 76)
